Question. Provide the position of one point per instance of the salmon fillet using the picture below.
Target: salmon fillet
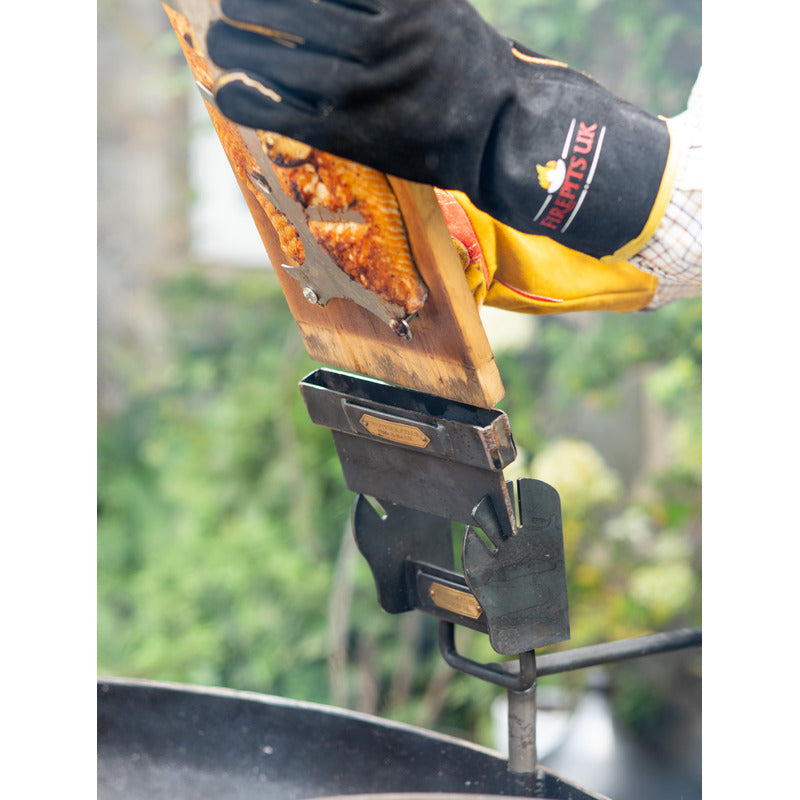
(374, 252)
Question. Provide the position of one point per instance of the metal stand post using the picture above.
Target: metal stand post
(522, 731)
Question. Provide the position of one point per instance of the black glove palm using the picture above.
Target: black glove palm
(427, 91)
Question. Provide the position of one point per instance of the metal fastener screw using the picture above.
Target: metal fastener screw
(400, 327)
(310, 295)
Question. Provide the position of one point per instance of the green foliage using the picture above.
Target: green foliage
(204, 535)
(646, 51)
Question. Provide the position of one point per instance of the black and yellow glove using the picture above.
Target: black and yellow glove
(427, 91)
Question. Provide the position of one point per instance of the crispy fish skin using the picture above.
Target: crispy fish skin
(374, 252)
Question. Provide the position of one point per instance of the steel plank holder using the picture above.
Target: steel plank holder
(414, 449)
(418, 463)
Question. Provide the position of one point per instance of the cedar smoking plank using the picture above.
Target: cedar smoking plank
(448, 354)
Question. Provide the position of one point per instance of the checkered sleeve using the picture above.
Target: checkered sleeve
(675, 252)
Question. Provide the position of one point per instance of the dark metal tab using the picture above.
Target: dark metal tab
(522, 584)
(388, 537)
(411, 557)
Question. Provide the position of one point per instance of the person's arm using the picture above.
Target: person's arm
(521, 272)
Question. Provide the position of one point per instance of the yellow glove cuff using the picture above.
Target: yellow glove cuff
(534, 274)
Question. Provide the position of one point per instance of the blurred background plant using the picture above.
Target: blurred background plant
(224, 552)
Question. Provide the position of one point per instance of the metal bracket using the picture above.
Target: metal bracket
(517, 594)
(522, 583)
(622, 650)
(414, 449)
(493, 673)
(519, 678)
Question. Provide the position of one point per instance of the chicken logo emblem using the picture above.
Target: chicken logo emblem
(551, 175)
(568, 178)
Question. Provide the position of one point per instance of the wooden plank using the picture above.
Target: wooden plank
(448, 354)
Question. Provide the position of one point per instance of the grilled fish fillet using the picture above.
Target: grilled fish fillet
(369, 243)
(375, 251)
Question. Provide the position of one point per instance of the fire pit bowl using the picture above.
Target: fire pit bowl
(171, 741)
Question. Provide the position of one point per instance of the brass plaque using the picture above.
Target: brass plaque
(454, 600)
(395, 431)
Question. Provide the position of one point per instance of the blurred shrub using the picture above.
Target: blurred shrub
(645, 51)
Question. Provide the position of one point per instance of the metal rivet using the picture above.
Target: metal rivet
(310, 295)
(260, 182)
(400, 327)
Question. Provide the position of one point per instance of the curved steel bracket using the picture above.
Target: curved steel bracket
(493, 673)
